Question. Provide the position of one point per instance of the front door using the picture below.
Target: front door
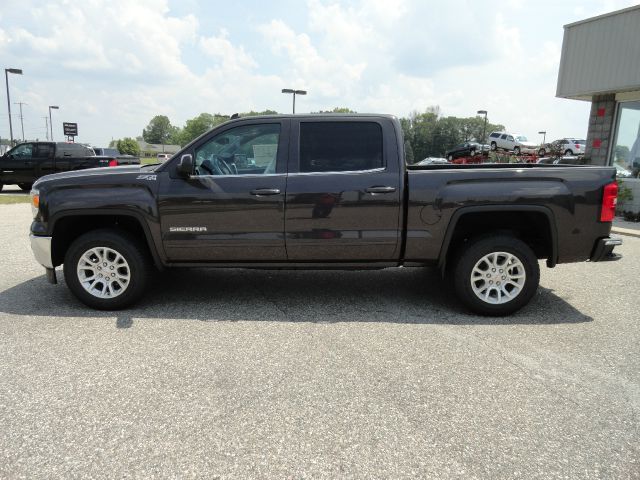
(18, 165)
(343, 192)
(231, 209)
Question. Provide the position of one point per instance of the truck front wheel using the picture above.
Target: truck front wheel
(106, 269)
(496, 275)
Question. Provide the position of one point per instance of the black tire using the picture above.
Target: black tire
(541, 152)
(494, 146)
(473, 152)
(137, 261)
(516, 150)
(568, 152)
(473, 253)
(450, 157)
(25, 186)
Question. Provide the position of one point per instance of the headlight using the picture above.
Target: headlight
(35, 201)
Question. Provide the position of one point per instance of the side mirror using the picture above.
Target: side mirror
(185, 166)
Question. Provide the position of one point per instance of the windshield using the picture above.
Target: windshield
(521, 138)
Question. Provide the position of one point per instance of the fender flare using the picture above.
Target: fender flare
(458, 214)
(139, 218)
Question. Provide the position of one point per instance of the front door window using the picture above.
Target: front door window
(245, 150)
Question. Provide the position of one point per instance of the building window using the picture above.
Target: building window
(626, 150)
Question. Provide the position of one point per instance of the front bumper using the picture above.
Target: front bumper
(41, 247)
(603, 250)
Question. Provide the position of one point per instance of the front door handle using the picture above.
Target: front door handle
(380, 190)
(265, 191)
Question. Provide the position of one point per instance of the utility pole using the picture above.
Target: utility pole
(46, 124)
(55, 107)
(484, 128)
(21, 117)
(7, 71)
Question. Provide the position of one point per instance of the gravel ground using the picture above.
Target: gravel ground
(274, 374)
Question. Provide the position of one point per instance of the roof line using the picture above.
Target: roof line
(604, 15)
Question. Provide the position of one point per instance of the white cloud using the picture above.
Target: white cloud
(232, 58)
(112, 65)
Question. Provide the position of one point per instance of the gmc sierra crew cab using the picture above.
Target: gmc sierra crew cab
(320, 191)
(26, 162)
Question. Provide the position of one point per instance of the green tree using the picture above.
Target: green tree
(431, 135)
(159, 131)
(128, 146)
(199, 125)
(337, 110)
(621, 154)
(253, 114)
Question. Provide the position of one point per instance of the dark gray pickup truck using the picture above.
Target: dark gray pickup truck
(320, 191)
(26, 162)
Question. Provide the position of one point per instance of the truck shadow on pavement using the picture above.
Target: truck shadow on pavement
(415, 296)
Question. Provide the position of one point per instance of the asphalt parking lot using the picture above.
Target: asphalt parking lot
(273, 374)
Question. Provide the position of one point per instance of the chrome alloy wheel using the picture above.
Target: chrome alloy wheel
(498, 278)
(103, 272)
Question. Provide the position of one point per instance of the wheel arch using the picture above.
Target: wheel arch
(68, 227)
(465, 220)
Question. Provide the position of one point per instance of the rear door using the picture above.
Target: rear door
(43, 152)
(343, 191)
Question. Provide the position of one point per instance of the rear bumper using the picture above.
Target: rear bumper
(41, 247)
(603, 250)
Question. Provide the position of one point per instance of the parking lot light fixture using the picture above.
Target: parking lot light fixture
(7, 71)
(55, 107)
(294, 92)
(544, 136)
(484, 128)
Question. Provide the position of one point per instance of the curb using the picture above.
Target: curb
(626, 231)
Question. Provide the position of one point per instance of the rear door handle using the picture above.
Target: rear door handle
(380, 190)
(265, 191)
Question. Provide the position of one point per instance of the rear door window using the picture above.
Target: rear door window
(340, 146)
(42, 151)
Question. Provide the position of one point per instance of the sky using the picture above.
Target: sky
(111, 65)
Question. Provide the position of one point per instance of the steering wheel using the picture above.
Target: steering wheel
(221, 167)
(205, 168)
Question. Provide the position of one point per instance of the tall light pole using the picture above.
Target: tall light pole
(21, 117)
(295, 92)
(55, 107)
(7, 71)
(46, 126)
(484, 129)
(544, 136)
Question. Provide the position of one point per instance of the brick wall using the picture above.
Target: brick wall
(599, 135)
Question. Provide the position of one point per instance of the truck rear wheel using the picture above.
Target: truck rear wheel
(496, 275)
(106, 269)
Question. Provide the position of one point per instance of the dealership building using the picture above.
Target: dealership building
(600, 64)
